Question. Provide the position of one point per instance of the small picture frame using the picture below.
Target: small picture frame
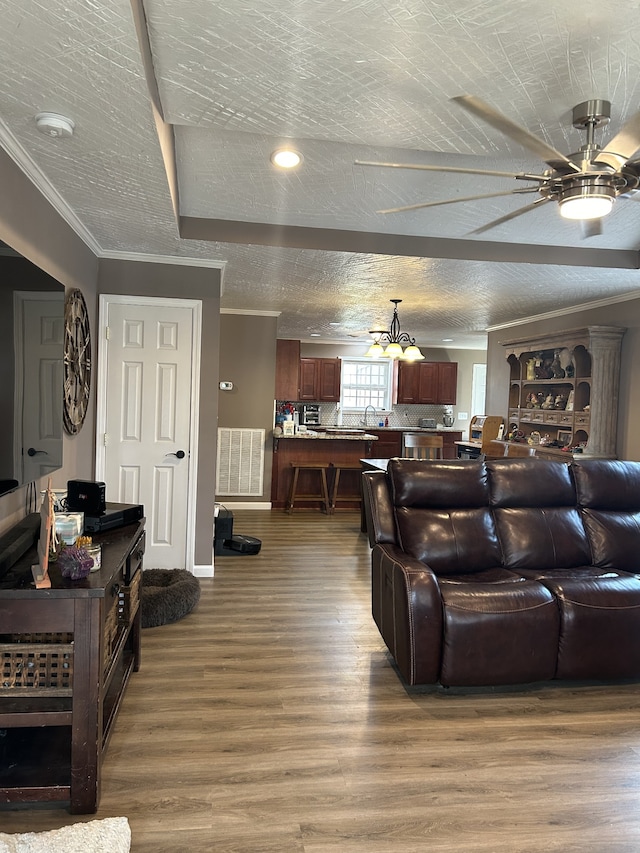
(565, 437)
(500, 432)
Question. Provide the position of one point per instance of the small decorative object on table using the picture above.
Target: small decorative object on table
(75, 563)
(94, 551)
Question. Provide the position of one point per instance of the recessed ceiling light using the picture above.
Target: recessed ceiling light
(447, 340)
(286, 158)
(334, 324)
(315, 334)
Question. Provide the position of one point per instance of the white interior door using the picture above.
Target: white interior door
(150, 407)
(39, 427)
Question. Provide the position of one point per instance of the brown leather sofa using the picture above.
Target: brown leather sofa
(507, 571)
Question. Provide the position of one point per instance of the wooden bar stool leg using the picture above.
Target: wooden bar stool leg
(321, 496)
(334, 495)
(292, 491)
(325, 491)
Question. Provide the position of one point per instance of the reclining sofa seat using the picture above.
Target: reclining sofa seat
(483, 573)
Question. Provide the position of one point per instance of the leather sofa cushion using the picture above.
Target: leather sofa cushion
(450, 541)
(455, 484)
(498, 633)
(607, 484)
(518, 483)
(542, 538)
(614, 538)
(600, 613)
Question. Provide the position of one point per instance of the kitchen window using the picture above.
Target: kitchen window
(366, 382)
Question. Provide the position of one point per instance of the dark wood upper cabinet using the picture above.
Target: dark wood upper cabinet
(308, 379)
(447, 382)
(287, 369)
(319, 380)
(329, 380)
(428, 382)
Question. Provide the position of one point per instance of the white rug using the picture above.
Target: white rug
(111, 835)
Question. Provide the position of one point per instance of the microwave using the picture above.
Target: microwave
(310, 415)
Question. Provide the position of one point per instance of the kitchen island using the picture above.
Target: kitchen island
(335, 448)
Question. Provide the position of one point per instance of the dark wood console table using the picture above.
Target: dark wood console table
(83, 639)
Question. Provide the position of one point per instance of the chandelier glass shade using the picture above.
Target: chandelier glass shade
(389, 344)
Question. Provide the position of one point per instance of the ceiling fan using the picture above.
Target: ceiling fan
(584, 184)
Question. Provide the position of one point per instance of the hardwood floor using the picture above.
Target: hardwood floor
(271, 720)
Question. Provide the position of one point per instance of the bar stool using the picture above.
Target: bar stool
(335, 496)
(322, 495)
(417, 446)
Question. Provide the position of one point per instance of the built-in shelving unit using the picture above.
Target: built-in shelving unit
(564, 387)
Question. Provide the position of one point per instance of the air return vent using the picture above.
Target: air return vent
(240, 462)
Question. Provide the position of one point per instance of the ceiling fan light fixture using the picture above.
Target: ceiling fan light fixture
(586, 200)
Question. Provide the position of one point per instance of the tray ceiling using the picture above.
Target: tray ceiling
(344, 81)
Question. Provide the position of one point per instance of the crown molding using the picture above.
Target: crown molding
(37, 177)
(250, 312)
(560, 312)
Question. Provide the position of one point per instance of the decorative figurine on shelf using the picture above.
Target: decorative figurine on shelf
(557, 371)
(560, 402)
(549, 402)
(532, 401)
(531, 369)
(40, 570)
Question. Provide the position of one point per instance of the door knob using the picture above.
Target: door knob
(33, 452)
(179, 453)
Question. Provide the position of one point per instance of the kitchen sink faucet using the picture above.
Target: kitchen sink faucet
(366, 410)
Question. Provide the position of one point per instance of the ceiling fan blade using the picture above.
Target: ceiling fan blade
(456, 200)
(625, 143)
(511, 215)
(591, 228)
(537, 146)
(521, 176)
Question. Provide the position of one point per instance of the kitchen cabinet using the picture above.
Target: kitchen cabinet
(389, 443)
(81, 642)
(287, 369)
(427, 382)
(319, 380)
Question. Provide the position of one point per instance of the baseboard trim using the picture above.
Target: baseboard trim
(203, 571)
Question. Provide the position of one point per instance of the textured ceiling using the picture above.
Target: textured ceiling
(346, 80)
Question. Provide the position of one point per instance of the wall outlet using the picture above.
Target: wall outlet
(463, 416)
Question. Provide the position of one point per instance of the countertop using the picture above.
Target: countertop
(409, 428)
(329, 436)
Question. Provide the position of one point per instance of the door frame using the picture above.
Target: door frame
(104, 301)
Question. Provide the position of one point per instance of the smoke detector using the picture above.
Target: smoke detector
(55, 125)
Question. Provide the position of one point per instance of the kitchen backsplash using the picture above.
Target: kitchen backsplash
(401, 416)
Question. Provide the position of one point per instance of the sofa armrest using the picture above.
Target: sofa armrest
(378, 507)
(407, 608)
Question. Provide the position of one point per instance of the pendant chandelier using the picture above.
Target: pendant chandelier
(395, 340)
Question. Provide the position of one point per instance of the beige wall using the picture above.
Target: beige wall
(248, 359)
(625, 314)
(32, 227)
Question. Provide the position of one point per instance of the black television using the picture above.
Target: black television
(31, 371)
